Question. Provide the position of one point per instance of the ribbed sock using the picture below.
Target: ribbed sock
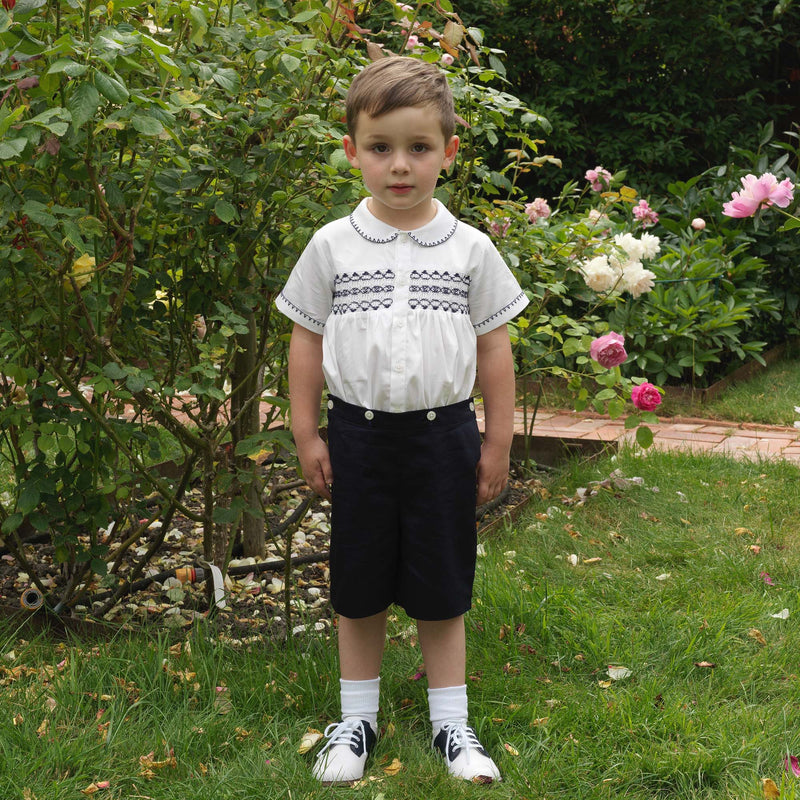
(360, 699)
(447, 705)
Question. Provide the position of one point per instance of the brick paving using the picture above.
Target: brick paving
(738, 440)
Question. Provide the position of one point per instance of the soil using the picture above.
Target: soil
(256, 595)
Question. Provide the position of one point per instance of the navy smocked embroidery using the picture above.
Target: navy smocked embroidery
(362, 291)
(439, 290)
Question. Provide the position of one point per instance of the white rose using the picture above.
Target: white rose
(637, 280)
(598, 274)
(650, 245)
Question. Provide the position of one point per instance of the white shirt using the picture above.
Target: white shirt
(399, 311)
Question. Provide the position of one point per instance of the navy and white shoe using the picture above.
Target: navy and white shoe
(342, 758)
(464, 755)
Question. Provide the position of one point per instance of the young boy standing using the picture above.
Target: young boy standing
(394, 308)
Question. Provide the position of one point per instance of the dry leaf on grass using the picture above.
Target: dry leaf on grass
(755, 633)
(769, 789)
(393, 768)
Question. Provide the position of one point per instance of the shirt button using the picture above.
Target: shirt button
(368, 415)
(431, 416)
(398, 367)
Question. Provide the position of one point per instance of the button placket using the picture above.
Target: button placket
(399, 331)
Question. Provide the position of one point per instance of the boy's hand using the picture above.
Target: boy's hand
(492, 472)
(315, 464)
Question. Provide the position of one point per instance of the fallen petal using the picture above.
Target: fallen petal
(755, 633)
(619, 673)
(394, 767)
(511, 749)
(792, 765)
(310, 738)
(769, 789)
(784, 614)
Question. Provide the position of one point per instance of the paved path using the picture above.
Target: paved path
(740, 440)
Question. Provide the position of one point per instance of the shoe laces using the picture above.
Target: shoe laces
(461, 738)
(347, 733)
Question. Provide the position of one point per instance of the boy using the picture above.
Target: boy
(394, 307)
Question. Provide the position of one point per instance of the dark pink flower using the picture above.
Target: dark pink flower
(792, 765)
(609, 350)
(8, 5)
(767, 578)
(758, 193)
(646, 397)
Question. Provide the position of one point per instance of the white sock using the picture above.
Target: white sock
(447, 705)
(360, 700)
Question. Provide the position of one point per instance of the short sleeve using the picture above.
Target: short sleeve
(495, 294)
(307, 297)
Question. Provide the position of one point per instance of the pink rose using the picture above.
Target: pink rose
(538, 209)
(609, 350)
(758, 193)
(646, 397)
(447, 59)
(599, 177)
(645, 214)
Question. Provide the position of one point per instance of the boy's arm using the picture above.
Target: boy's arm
(305, 390)
(496, 379)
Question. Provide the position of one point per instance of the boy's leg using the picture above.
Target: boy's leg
(443, 644)
(361, 643)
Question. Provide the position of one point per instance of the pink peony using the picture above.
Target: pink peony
(413, 42)
(646, 397)
(538, 209)
(447, 59)
(759, 193)
(599, 178)
(644, 213)
(609, 350)
(698, 223)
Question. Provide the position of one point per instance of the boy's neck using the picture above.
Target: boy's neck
(412, 220)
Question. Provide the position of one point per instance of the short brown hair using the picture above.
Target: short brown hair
(400, 82)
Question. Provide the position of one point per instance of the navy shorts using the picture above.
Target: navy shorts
(403, 512)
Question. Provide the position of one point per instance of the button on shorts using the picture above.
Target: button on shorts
(403, 511)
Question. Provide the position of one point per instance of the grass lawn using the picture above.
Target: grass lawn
(682, 579)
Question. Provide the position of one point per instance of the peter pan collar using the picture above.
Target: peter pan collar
(436, 232)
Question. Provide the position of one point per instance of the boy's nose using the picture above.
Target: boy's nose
(400, 163)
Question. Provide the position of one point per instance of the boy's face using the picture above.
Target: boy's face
(400, 155)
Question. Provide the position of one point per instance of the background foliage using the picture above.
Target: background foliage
(663, 88)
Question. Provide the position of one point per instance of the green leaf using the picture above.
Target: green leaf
(290, 63)
(9, 119)
(83, 104)
(147, 126)
(39, 213)
(111, 88)
(225, 210)
(644, 436)
(11, 523)
(228, 79)
(199, 24)
(11, 148)
(790, 224)
(305, 16)
(28, 499)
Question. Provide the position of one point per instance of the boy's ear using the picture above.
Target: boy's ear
(450, 151)
(350, 150)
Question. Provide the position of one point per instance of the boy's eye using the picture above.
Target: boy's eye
(380, 148)
(419, 148)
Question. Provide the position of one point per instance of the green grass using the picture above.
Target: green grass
(679, 582)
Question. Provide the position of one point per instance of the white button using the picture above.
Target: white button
(330, 403)
(368, 415)
(398, 367)
(472, 406)
(431, 415)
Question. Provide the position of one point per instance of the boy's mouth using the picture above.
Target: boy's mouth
(400, 188)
